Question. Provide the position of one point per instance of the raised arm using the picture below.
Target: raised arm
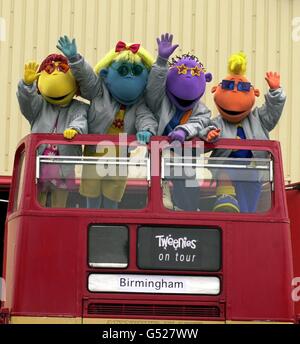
(156, 86)
(29, 100)
(269, 114)
(89, 83)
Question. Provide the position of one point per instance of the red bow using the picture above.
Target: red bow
(121, 46)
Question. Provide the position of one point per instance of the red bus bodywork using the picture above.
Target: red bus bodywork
(293, 200)
(46, 267)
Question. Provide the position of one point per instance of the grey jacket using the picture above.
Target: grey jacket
(104, 107)
(159, 103)
(42, 116)
(256, 125)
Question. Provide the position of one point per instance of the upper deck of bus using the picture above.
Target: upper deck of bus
(147, 183)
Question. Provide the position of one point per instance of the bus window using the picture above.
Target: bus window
(19, 182)
(204, 183)
(82, 179)
(108, 246)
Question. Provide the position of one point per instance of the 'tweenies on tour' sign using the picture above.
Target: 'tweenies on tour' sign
(179, 248)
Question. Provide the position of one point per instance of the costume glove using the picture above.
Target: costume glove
(70, 133)
(143, 137)
(30, 72)
(273, 80)
(165, 47)
(178, 135)
(213, 135)
(67, 47)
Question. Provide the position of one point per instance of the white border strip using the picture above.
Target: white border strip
(108, 265)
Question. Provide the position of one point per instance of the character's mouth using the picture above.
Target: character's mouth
(233, 113)
(184, 102)
(59, 98)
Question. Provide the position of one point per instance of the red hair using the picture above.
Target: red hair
(55, 58)
(52, 58)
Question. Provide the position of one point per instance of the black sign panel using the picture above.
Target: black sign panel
(179, 248)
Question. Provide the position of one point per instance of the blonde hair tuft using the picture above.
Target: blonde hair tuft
(237, 64)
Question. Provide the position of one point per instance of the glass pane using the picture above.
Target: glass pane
(108, 246)
(19, 182)
(102, 177)
(219, 184)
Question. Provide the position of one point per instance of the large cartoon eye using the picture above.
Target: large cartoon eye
(63, 67)
(196, 71)
(244, 86)
(228, 85)
(49, 68)
(137, 69)
(123, 70)
(182, 69)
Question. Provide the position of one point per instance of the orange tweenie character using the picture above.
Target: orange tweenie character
(234, 97)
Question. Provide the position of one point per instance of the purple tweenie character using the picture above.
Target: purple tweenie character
(173, 94)
(186, 81)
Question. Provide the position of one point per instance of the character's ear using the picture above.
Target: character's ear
(213, 90)
(103, 73)
(208, 77)
(256, 92)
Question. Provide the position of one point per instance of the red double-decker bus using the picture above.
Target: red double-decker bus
(151, 259)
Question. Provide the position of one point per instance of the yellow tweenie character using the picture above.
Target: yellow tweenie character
(46, 99)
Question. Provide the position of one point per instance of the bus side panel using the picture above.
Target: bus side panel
(259, 271)
(11, 244)
(293, 200)
(4, 193)
(45, 266)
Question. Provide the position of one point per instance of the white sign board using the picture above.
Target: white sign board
(154, 284)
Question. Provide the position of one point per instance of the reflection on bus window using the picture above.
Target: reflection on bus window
(108, 246)
(102, 177)
(19, 182)
(217, 184)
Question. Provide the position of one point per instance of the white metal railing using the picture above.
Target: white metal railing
(221, 163)
(257, 164)
(83, 160)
